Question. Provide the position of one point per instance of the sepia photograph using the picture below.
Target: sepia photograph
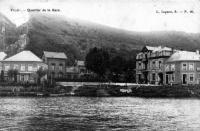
(99, 65)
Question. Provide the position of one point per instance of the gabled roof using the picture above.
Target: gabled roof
(24, 56)
(2, 55)
(184, 56)
(59, 55)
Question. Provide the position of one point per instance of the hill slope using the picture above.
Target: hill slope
(75, 38)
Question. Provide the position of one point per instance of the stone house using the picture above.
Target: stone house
(27, 64)
(56, 62)
(183, 67)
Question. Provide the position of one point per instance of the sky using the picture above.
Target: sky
(132, 15)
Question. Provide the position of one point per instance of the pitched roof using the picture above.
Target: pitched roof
(158, 48)
(2, 55)
(24, 56)
(184, 56)
(59, 55)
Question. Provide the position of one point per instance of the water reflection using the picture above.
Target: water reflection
(81, 113)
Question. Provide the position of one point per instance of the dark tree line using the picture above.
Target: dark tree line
(110, 68)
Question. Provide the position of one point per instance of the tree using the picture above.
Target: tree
(117, 66)
(40, 73)
(129, 71)
(97, 60)
(12, 74)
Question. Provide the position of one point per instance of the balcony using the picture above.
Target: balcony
(160, 54)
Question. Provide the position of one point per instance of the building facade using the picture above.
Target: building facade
(163, 65)
(26, 63)
(56, 62)
(77, 70)
(183, 67)
(150, 64)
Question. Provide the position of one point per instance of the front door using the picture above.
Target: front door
(139, 78)
(160, 78)
(184, 78)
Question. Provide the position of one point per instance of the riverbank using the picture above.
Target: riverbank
(103, 90)
(176, 91)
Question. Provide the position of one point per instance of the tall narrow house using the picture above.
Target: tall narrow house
(56, 62)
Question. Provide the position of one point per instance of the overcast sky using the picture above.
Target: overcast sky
(132, 15)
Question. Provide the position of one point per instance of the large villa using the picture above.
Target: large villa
(163, 65)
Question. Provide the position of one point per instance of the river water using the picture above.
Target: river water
(83, 113)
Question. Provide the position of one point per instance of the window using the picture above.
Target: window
(160, 64)
(7, 67)
(166, 67)
(60, 75)
(139, 65)
(166, 53)
(61, 67)
(23, 67)
(191, 66)
(149, 55)
(153, 77)
(53, 66)
(153, 64)
(173, 77)
(172, 67)
(153, 54)
(16, 66)
(184, 66)
(0, 66)
(191, 77)
(157, 63)
(38, 67)
(35, 68)
(30, 67)
(157, 53)
(199, 75)
(160, 53)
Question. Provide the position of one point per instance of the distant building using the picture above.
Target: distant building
(26, 63)
(56, 62)
(77, 70)
(183, 67)
(81, 67)
(72, 72)
(150, 64)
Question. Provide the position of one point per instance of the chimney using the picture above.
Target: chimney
(197, 51)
